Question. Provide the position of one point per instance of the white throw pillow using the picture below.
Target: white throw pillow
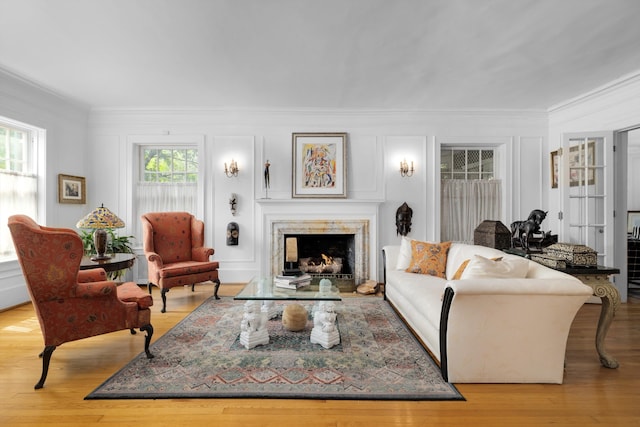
(404, 256)
(480, 267)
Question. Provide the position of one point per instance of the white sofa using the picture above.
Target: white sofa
(487, 330)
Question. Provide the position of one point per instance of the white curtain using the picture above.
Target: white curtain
(153, 197)
(19, 195)
(465, 204)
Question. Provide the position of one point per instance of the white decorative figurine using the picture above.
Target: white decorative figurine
(324, 330)
(254, 325)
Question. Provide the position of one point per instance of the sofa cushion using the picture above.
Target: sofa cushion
(458, 274)
(480, 267)
(429, 258)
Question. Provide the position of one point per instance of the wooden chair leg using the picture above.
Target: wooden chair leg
(193, 287)
(215, 292)
(46, 358)
(147, 339)
(163, 294)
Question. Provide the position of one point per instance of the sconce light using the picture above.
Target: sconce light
(404, 168)
(232, 170)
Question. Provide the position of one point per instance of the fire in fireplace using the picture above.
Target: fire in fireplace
(323, 255)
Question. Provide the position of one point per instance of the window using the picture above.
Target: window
(168, 179)
(462, 163)
(170, 165)
(18, 177)
(469, 194)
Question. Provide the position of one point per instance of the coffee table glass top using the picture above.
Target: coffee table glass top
(263, 288)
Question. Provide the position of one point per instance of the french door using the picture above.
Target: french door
(586, 180)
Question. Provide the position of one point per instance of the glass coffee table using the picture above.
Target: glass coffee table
(261, 294)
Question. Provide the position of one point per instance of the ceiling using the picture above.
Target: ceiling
(344, 54)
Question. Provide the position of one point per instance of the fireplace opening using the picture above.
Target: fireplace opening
(323, 255)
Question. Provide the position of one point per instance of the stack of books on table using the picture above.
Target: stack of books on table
(292, 282)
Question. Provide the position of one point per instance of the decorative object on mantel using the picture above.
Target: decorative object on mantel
(405, 170)
(492, 234)
(403, 219)
(522, 232)
(100, 219)
(233, 232)
(232, 170)
(574, 255)
(319, 165)
(233, 201)
(72, 189)
(267, 177)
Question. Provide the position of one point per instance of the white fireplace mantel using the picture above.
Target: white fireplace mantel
(357, 216)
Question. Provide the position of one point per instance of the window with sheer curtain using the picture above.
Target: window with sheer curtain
(469, 192)
(18, 178)
(168, 180)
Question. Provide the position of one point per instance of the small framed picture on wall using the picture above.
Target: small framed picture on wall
(72, 189)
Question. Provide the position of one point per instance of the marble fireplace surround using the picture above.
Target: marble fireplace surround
(359, 229)
(281, 218)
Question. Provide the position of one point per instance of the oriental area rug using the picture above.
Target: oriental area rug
(201, 357)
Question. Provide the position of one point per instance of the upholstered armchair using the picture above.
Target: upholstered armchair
(71, 304)
(173, 244)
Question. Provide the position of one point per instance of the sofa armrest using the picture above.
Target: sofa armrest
(92, 275)
(390, 256)
(528, 286)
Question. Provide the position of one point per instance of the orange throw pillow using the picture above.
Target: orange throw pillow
(429, 258)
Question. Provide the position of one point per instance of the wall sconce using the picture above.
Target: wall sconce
(232, 170)
(404, 168)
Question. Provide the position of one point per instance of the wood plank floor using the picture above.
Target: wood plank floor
(591, 394)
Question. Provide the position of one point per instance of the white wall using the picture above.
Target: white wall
(613, 107)
(377, 141)
(66, 136)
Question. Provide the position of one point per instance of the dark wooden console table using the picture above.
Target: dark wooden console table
(117, 262)
(597, 278)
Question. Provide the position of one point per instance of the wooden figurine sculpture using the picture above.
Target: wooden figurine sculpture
(521, 231)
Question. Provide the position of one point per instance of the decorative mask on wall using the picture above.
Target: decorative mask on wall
(233, 231)
(403, 219)
(233, 201)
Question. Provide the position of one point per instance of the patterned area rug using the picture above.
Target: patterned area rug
(201, 357)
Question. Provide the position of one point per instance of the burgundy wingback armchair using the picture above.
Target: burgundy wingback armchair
(72, 304)
(173, 244)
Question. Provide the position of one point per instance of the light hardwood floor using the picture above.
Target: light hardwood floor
(590, 395)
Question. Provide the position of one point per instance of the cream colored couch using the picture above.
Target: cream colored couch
(487, 330)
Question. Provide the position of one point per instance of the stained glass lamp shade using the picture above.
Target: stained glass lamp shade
(100, 219)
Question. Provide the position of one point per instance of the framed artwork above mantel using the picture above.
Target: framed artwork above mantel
(319, 165)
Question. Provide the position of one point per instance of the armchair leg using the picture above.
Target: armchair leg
(193, 287)
(147, 339)
(149, 286)
(163, 294)
(215, 292)
(46, 358)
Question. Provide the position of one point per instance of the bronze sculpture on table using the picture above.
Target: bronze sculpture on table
(522, 231)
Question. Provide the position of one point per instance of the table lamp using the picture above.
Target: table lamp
(100, 219)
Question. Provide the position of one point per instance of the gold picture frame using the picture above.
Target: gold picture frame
(72, 189)
(555, 169)
(576, 164)
(319, 165)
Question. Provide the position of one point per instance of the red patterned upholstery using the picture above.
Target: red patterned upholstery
(173, 244)
(73, 304)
